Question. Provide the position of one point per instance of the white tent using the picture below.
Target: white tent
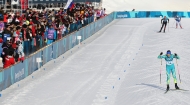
(146, 5)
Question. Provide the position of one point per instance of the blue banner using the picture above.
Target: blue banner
(67, 43)
(55, 50)
(18, 73)
(49, 53)
(44, 55)
(7, 81)
(151, 14)
(60, 47)
(82, 34)
(64, 45)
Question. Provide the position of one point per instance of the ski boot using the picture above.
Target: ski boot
(176, 87)
(168, 87)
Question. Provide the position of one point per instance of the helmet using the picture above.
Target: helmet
(168, 52)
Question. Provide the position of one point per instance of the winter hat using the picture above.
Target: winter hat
(24, 26)
(18, 27)
(7, 25)
(27, 22)
(168, 52)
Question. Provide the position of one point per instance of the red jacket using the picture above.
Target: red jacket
(5, 18)
(9, 60)
(33, 31)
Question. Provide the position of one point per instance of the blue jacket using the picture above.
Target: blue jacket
(169, 60)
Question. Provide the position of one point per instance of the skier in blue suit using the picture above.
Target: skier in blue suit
(170, 68)
(178, 21)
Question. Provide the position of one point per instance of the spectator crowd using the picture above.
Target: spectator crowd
(26, 32)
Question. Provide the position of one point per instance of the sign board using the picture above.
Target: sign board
(78, 37)
(38, 60)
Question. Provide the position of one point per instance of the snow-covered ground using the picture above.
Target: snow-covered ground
(116, 66)
(146, 5)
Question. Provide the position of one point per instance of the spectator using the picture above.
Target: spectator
(38, 36)
(104, 12)
(9, 60)
(20, 51)
(6, 47)
(50, 35)
(17, 34)
(1, 13)
(2, 25)
(5, 16)
(26, 33)
(98, 14)
(60, 30)
(7, 33)
(1, 40)
(9, 20)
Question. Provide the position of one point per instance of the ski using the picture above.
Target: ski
(161, 32)
(179, 89)
(166, 91)
(175, 90)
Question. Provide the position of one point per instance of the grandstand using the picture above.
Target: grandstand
(44, 4)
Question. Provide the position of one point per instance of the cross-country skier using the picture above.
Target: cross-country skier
(164, 23)
(170, 68)
(178, 21)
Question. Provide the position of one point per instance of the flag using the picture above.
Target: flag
(68, 4)
(71, 6)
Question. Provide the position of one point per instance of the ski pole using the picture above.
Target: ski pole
(168, 26)
(178, 71)
(160, 71)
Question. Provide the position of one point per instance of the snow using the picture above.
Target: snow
(116, 66)
(146, 5)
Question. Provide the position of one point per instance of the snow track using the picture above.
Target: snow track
(116, 66)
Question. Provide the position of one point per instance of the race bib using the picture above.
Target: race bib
(169, 62)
